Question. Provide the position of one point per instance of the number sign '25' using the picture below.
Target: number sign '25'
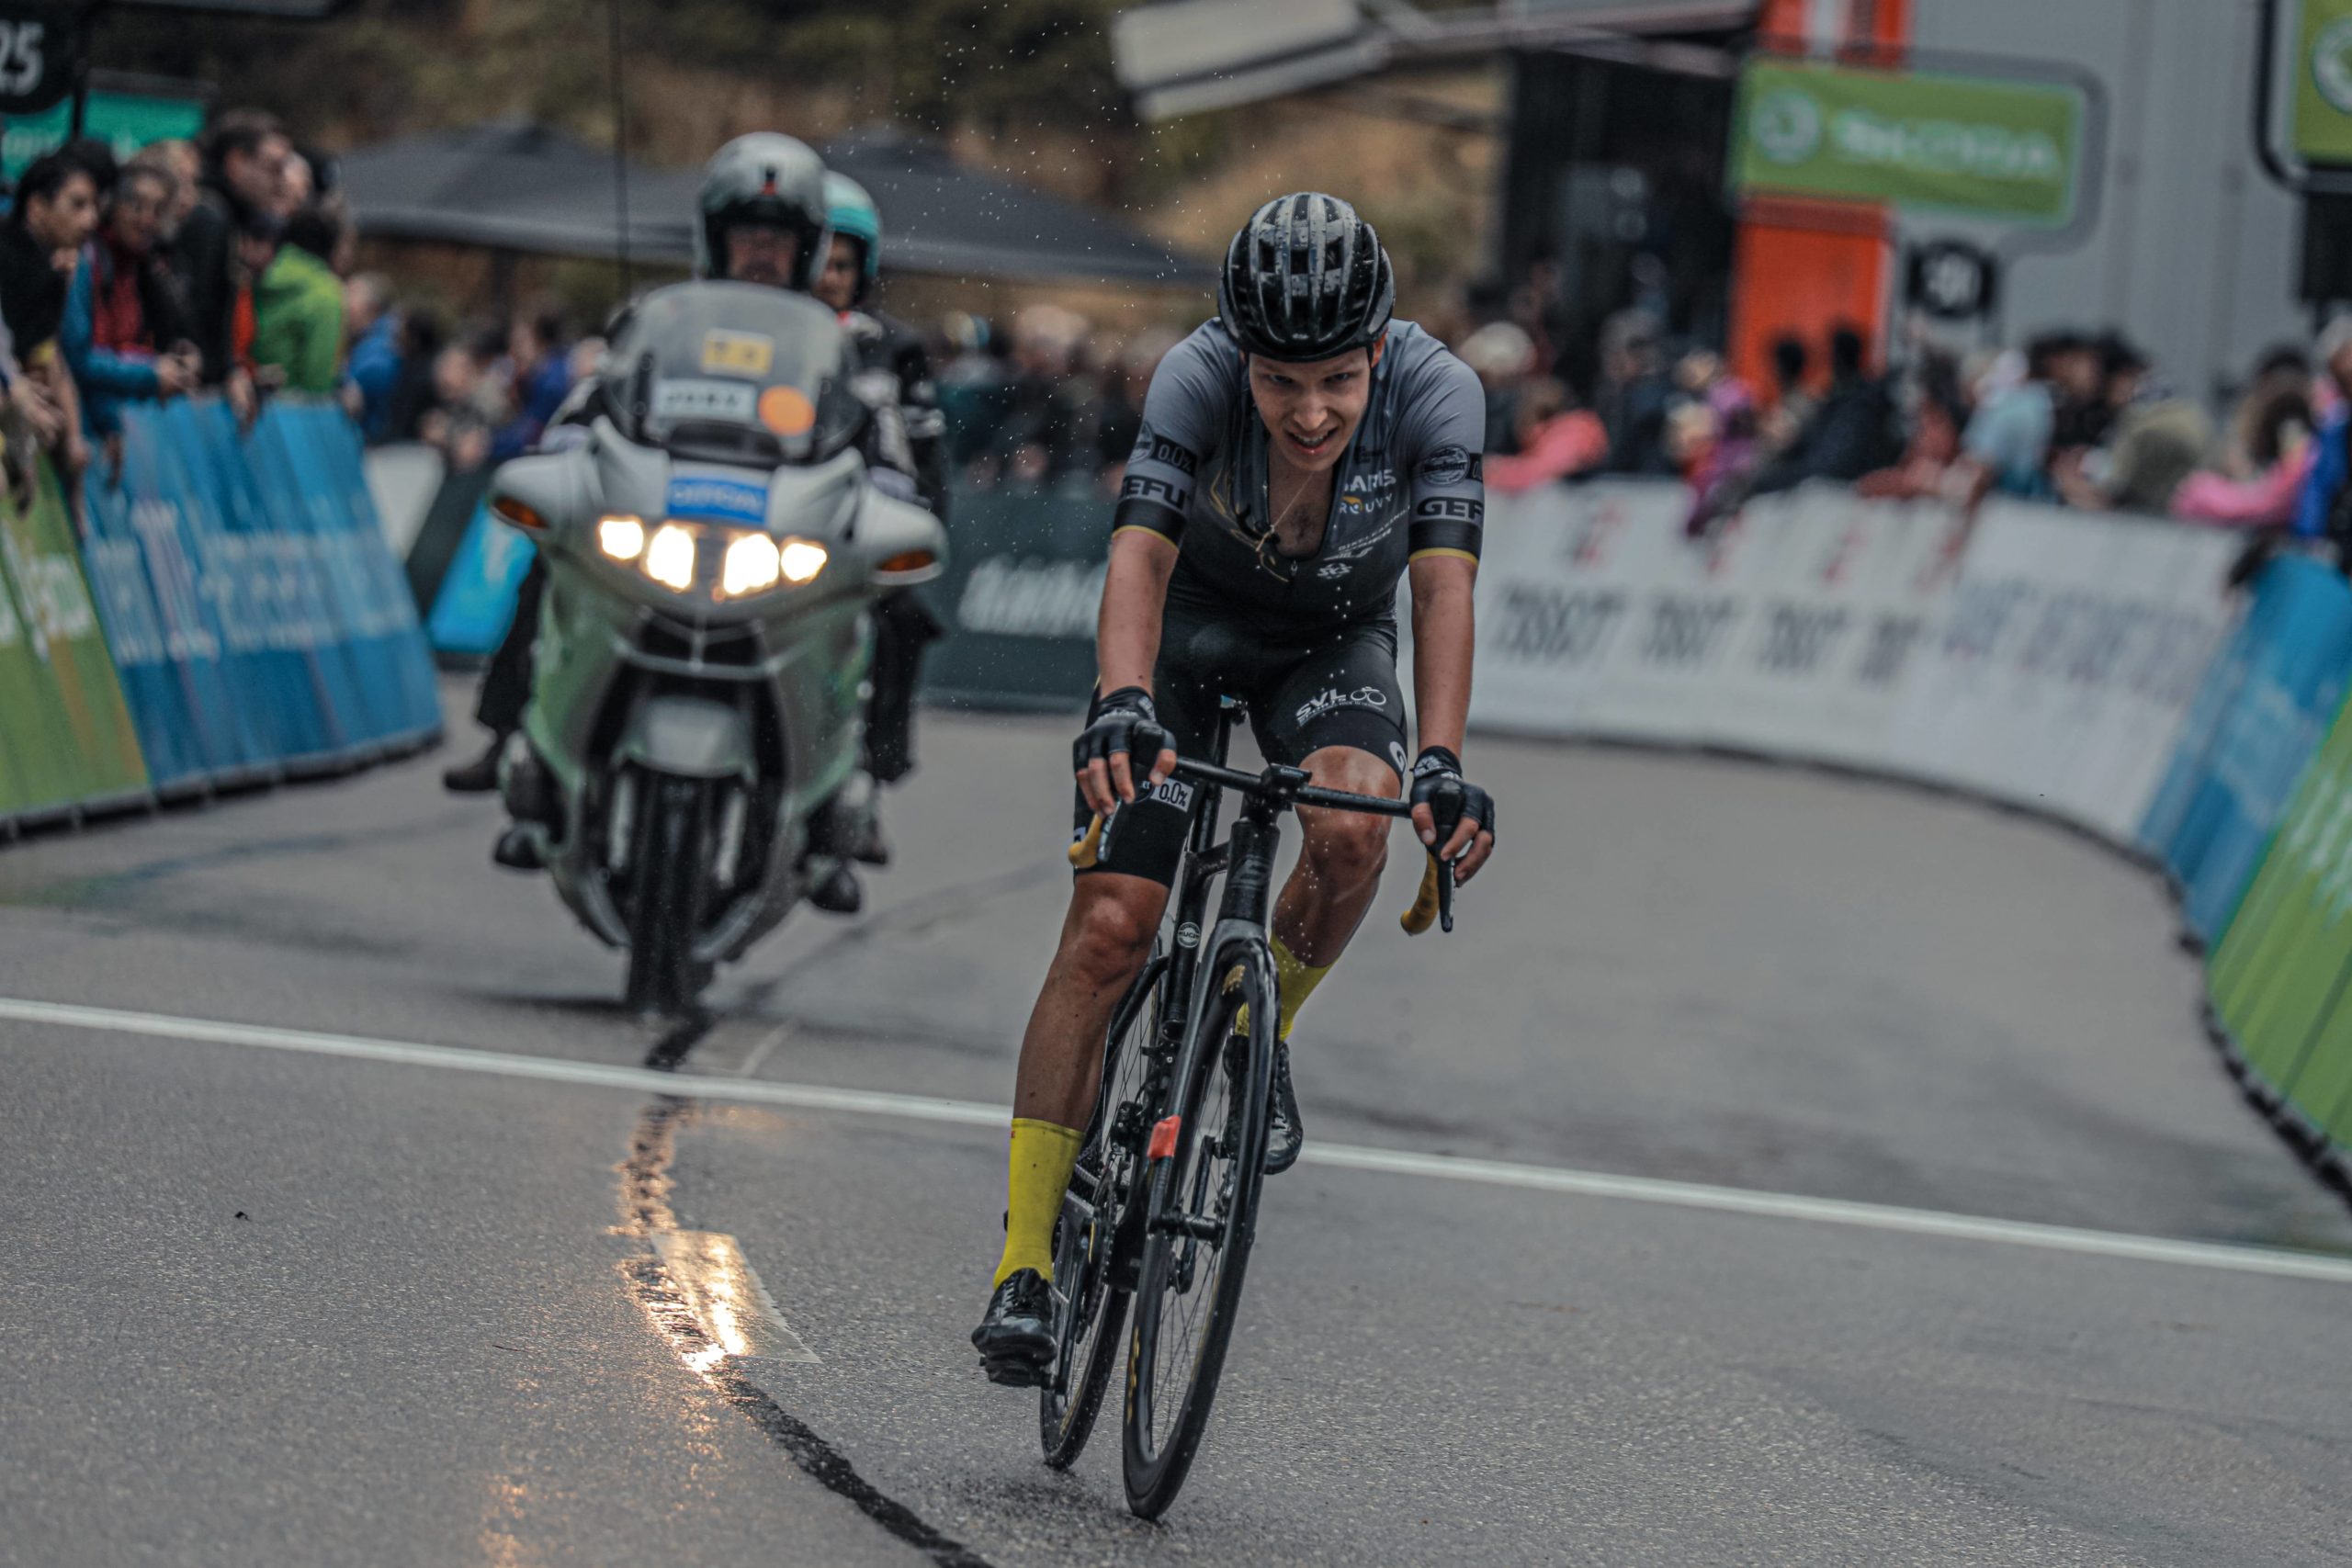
(40, 54)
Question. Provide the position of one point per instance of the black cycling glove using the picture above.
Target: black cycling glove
(1125, 721)
(1438, 784)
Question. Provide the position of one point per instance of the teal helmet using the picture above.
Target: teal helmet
(851, 211)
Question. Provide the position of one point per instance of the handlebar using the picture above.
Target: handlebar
(1433, 903)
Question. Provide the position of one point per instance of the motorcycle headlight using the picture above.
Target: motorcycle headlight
(751, 564)
(621, 538)
(670, 556)
(800, 560)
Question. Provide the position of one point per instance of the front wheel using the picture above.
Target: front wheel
(1090, 1301)
(666, 909)
(1210, 1157)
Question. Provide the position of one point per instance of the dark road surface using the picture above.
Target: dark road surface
(321, 1296)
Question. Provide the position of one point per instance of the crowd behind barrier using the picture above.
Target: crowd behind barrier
(233, 616)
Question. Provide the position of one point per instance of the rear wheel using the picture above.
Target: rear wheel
(665, 914)
(1202, 1215)
(1090, 1303)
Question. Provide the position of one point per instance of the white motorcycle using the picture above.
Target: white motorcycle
(712, 548)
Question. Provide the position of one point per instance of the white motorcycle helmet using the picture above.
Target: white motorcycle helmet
(764, 178)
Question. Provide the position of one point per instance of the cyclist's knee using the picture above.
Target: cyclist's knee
(1111, 930)
(1346, 847)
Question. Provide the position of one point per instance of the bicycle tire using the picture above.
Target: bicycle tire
(1164, 1424)
(1094, 1309)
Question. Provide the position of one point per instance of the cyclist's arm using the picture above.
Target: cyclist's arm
(1445, 637)
(1126, 637)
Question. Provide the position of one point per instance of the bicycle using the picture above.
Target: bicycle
(1162, 1205)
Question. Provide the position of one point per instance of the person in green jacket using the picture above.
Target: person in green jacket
(298, 307)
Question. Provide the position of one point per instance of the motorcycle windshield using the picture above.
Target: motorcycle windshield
(734, 373)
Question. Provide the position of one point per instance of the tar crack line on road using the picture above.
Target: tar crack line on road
(646, 1212)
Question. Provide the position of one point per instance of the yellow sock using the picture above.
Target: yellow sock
(1043, 1154)
(1294, 981)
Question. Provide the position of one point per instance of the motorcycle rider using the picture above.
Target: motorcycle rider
(895, 374)
(762, 218)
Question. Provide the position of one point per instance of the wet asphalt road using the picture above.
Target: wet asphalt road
(275, 1306)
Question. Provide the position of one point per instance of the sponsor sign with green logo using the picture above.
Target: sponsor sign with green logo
(126, 120)
(1960, 144)
(65, 735)
(2323, 82)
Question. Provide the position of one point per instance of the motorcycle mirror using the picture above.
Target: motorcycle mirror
(537, 493)
(904, 544)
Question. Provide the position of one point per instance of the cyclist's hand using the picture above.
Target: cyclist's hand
(1125, 729)
(1454, 818)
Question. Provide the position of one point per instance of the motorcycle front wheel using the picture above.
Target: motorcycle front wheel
(666, 911)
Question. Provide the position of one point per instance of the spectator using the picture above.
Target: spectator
(181, 161)
(124, 333)
(2008, 443)
(56, 211)
(2144, 444)
(246, 156)
(1552, 439)
(2320, 511)
(455, 420)
(416, 396)
(373, 363)
(1792, 403)
(2272, 427)
(1938, 413)
(1118, 422)
(1851, 432)
(538, 378)
(1634, 394)
(1041, 433)
(1503, 356)
(1713, 431)
(298, 307)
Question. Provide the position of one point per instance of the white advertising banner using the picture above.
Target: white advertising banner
(2037, 656)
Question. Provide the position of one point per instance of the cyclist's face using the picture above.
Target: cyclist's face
(1312, 409)
(762, 252)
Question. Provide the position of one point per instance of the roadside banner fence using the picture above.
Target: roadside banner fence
(241, 617)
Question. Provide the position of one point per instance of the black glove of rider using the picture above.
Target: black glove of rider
(1125, 721)
(1438, 784)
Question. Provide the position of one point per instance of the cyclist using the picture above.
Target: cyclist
(1299, 454)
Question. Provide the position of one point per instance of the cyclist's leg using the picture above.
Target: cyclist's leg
(1338, 712)
(1125, 867)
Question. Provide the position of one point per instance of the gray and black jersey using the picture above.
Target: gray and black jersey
(1408, 485)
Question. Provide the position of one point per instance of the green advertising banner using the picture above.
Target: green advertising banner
(2280, 976)
(1914, 138)
(2323, 82)
(126, 120)
(65, 735)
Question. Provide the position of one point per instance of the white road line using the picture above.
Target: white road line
(1395, 1162)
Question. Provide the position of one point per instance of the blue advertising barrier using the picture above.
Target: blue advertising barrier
(2259, 718)
(258, 618)
(476, 600)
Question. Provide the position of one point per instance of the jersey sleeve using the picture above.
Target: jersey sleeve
(1446, 445)
(1183, 417)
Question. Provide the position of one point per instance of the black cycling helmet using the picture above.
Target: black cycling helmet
(1306, 279)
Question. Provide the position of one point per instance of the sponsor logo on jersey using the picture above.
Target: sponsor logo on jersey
(1450, 466)
(1153, 447)
(1143, 487)
(1452, 508)
(1330, 699)
(1332, 571)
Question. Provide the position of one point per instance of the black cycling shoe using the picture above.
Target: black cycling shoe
(1285, 1134)
(872, 848)
(518, 850)
(478, 776)
(1015, 1339)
